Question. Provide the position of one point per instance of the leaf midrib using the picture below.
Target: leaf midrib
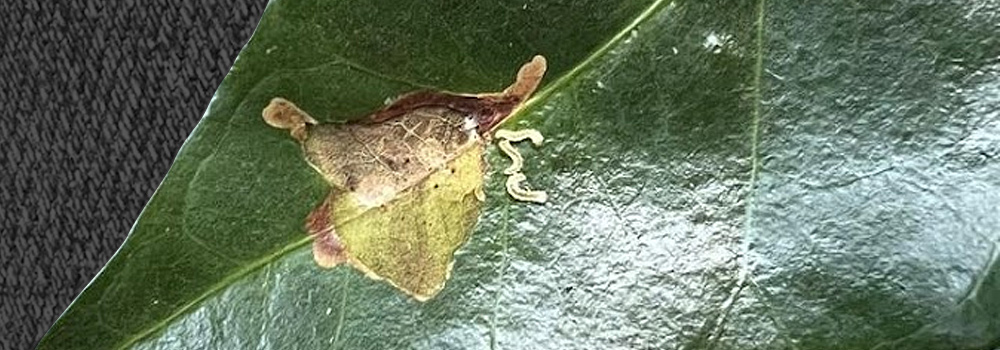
(542, 96)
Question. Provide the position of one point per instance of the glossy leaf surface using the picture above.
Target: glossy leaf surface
(722, 174)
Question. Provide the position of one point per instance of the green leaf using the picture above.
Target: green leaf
(721, 174)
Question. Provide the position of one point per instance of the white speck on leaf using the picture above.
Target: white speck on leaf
(715, 42)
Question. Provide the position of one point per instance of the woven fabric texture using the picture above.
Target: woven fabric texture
(96, 98)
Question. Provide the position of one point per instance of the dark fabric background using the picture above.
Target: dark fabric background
(97, 97)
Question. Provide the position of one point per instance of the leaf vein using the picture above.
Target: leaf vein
(590, 60)
(745, 275)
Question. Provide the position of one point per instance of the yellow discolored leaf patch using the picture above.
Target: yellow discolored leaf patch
(410, 242)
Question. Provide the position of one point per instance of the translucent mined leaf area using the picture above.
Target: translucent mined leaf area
(721, 175)
(410, 242)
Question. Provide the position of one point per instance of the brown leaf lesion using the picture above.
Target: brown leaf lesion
(328, 248)
(284, 114)
(487, 110)
(418, 162)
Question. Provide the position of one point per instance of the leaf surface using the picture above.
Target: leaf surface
(721, 174)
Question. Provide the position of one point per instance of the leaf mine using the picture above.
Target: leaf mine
(406, 181)
(513, 184)
(508, 136)
(520, 193)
